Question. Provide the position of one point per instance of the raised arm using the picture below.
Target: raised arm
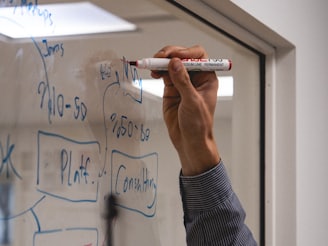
(213, 214)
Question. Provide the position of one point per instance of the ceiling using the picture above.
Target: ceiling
(156, 27)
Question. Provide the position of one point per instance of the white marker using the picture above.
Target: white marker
(161, 64)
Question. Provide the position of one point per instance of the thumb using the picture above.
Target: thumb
(180, 78)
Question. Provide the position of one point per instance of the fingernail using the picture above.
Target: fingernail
(161, 53)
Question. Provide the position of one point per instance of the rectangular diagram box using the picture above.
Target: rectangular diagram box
(66, 168)
(134, 181)
(69, 236)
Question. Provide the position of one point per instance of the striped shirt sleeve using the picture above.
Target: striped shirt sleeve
(213, 214)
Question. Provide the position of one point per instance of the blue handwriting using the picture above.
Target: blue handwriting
(57, 105)
(52, 50)
(6, 152)
(32, 8)
(66, 166)
(122, 126)
(135, 175)
(71, 167)
(105, 71)
(132, 71)
(140, 183)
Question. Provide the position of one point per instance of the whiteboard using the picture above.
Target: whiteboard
(76, 125)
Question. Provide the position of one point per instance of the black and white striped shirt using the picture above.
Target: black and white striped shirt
(213, 214)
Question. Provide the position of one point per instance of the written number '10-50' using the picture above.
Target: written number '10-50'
(57, 105)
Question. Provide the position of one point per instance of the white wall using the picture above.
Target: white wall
(303, 23)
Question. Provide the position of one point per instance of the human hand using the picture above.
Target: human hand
(189, 102)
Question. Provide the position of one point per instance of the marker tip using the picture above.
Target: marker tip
(133, 63)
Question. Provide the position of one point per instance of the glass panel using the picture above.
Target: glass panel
(75, 124)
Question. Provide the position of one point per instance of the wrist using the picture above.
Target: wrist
(198, 159)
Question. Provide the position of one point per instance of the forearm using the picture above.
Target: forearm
(213, 213)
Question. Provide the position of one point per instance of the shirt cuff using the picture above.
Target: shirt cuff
(205, 191)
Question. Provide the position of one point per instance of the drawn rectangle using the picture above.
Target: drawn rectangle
(68, 236)
(67, 169)
(134, 181)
